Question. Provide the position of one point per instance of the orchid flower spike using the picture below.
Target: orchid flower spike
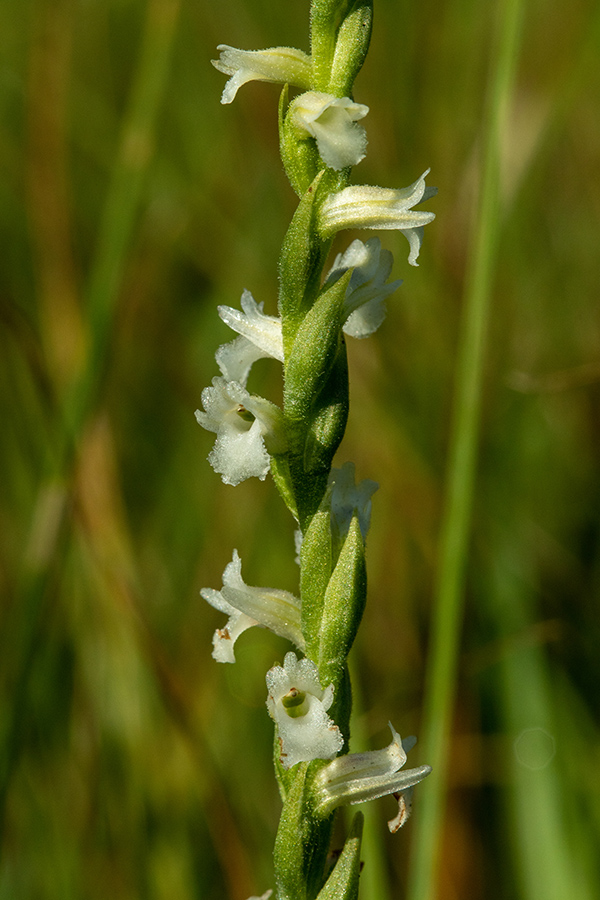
(298, 705)
(364, 304)
(333, 122)
(365, 206)
(358, 777)
(248, 429)
(283, 65)
(247, 606)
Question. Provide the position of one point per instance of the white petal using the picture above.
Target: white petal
(404, 809)
(364, 304)
(365, 206)
(235, 359)
(261, 330)
(367, 776)
(247, 606)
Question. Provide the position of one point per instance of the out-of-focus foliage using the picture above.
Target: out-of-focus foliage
(131, 204)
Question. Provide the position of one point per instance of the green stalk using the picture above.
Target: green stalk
(449, 591)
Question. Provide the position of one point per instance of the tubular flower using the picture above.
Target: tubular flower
(283, 65)
(364, 304)
(348, 499)
(248, 428)
(368, 776)
(247, 606)
(298, 705)
(332, 121)
(365, 206)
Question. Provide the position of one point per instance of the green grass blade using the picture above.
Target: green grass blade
(449, 599)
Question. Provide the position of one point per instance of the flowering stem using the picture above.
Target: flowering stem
(454, 539)
(310, 698)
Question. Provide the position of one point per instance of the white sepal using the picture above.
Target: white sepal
(366, 206)
(236, 358)
(333, 122)
(261, 330)
(284, 65)
(298, 705)
(247, 606)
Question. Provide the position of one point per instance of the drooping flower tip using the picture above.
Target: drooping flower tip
(333, 122)
(263, 331)
(298, 705)
(284, 65)
(247, 606)
(366, 206)
(359, 777)
(364, 304)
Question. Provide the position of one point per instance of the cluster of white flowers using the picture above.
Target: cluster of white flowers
(297, 702)
(250, 429)
(333, 123)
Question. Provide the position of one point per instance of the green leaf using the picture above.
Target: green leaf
(343, 608)
(329, 418)
(314, 353)
(351, 47)
(302, 257)
(315, 572)
(280, 470)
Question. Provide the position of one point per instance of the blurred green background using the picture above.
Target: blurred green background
(131, 204)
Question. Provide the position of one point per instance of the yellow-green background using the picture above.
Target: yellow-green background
(132, 766)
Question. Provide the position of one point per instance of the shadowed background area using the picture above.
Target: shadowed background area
(132, 204)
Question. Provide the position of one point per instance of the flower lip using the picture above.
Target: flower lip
(333, 122)
(298, 705)
(248, 429)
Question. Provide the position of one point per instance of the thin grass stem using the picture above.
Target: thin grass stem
(456, 518)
